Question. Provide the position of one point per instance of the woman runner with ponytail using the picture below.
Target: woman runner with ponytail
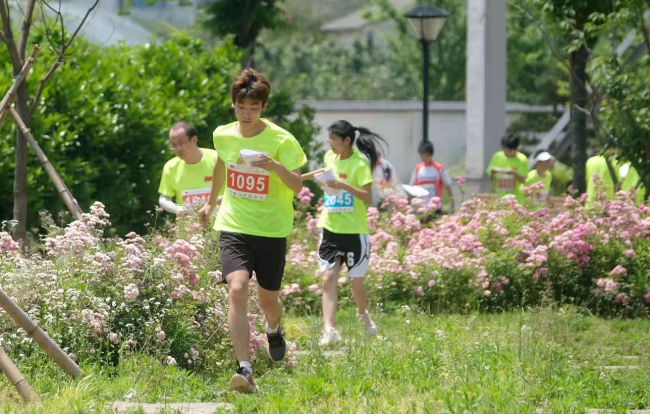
(344, 222)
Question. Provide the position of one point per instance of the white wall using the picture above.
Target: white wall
(400, 123)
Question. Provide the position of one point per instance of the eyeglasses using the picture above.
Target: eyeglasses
(177, 147)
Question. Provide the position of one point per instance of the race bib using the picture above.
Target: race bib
(248, 182)
(505, 182)
(196, 196)
(343, 203)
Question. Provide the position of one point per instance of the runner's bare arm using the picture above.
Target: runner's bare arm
(218, 178)
(291, 179)
(310, 175)
(365, 193)
(518, 177)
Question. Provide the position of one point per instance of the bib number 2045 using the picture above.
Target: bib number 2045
(247, 182)
(343, 203)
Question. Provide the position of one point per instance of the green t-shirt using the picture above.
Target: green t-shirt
(257, 202)
(346, 214)
(598, 165)
(189, 183)
(534, 177)
(505, 184)
(630, 182)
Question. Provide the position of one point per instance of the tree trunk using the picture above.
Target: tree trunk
(20, 171)
(579, 96)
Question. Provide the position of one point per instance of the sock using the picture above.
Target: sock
(361, 314)
(272, 331)
(246, 364)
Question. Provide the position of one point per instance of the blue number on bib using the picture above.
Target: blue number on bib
(343, 203)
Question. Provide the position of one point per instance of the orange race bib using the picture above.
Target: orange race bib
(505, 182)
(197, 196)
(247, 182)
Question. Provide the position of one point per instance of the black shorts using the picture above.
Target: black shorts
(353, 249)
(266, 256)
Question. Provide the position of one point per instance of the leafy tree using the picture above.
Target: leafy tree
(245, 20)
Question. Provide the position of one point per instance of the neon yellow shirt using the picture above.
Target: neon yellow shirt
(534, 177)
(598, 165)
(505, 184)
(257, 202)
(346, 214)
(189, 183)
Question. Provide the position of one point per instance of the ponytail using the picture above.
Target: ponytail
(368, 143)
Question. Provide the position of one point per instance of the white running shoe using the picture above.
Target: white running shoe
(368, 325)
(330, 336)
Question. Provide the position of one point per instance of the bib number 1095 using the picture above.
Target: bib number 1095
(248, 182)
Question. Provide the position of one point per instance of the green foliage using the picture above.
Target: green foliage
(104, 118)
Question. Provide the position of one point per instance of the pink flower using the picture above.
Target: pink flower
(431, 283)
(619, 271)
(420, 291)
(630, 253)
(160, 335)
(487, 292)
(171, 360)
(131, 292)
(313, 288)
(305, 196)
(460, 181)
(621, 298)
(113, 338)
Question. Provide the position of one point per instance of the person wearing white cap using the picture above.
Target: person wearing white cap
(541, 173)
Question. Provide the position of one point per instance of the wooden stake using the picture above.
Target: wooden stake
(39, 336)
(10, 96)
(54, 176)
(17, 378)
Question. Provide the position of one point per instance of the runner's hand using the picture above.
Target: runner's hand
(337, 185)
(266, 163)
(204, 214)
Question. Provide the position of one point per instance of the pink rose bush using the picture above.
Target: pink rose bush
(498, 255)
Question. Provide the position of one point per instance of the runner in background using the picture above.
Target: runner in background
(187, 178)
(432, 176)
(541, 173)
(259, 163)
(508, 169)
(347, 181)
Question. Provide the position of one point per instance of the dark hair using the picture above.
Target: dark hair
(368, 142)
(510, 141)
(189, 129)
(425, 147)
(250, 84)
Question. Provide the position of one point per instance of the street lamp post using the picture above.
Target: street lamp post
(427, 22)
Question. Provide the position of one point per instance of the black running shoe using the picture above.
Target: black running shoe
(277, 346)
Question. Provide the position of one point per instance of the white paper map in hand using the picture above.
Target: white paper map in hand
(250, 156)
(324, 178)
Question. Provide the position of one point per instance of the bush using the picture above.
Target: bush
(490, 257)
(100, 298)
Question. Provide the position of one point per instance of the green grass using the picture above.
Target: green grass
(500, 363)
